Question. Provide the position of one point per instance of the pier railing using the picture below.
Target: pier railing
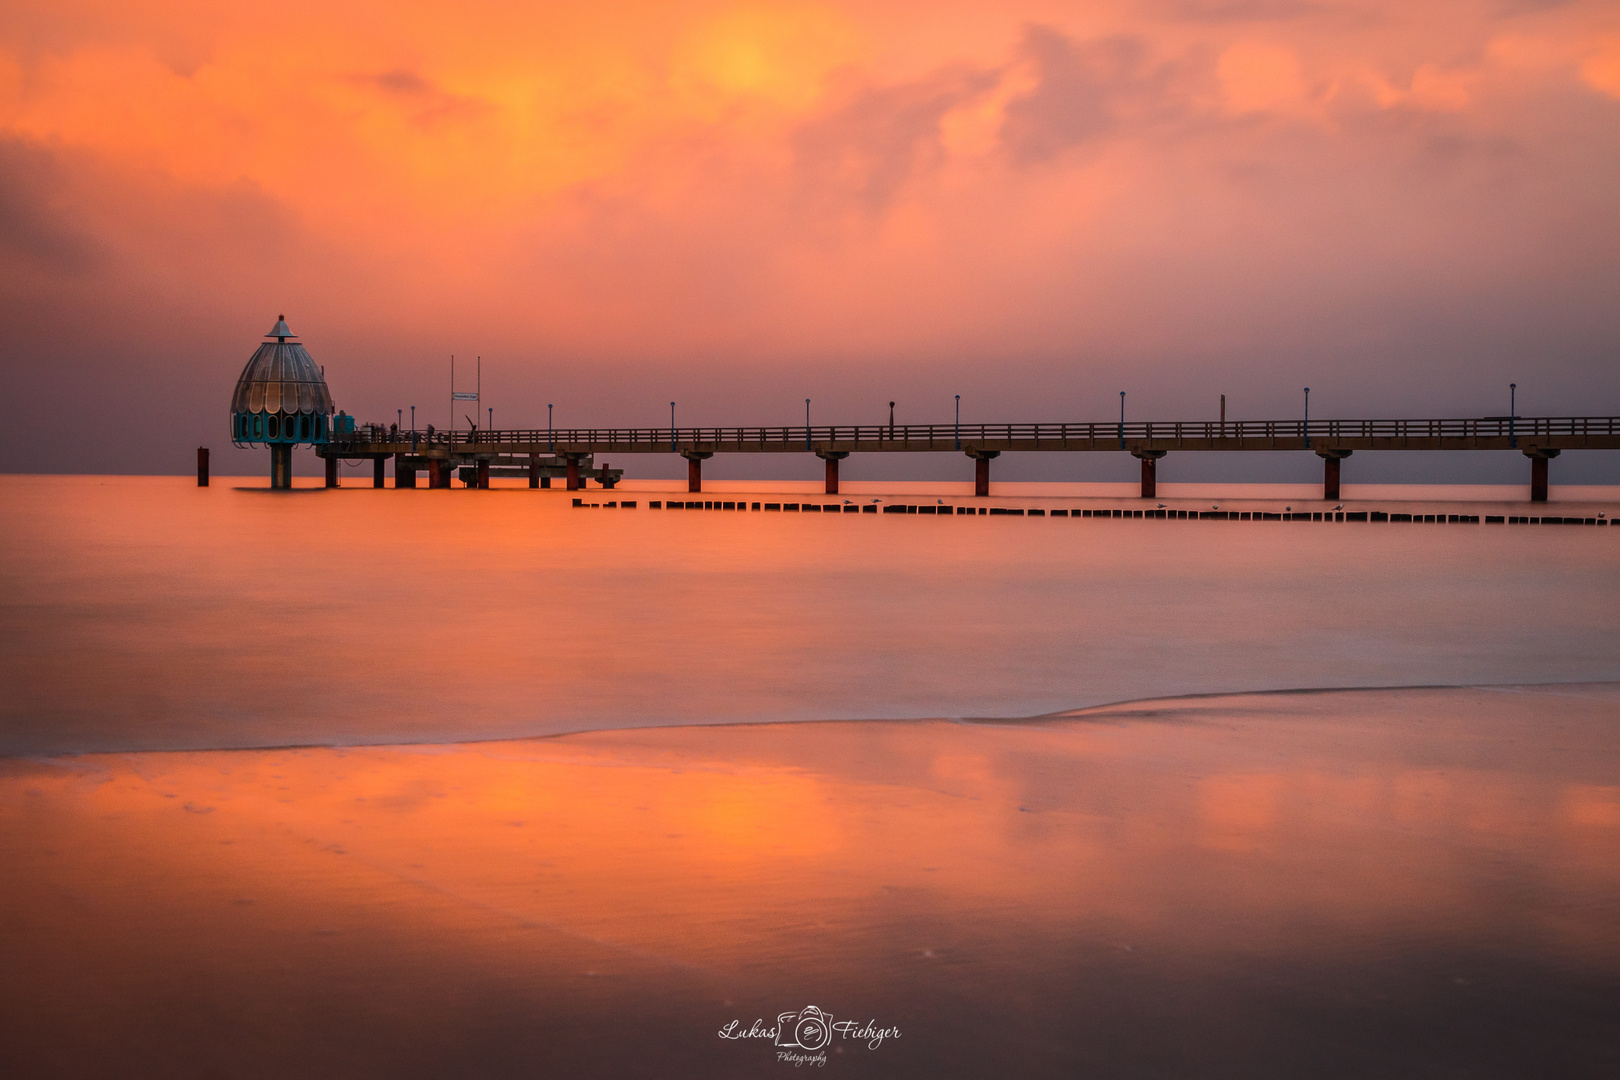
(1492, 432)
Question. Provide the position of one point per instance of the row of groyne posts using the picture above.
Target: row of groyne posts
(543, 455)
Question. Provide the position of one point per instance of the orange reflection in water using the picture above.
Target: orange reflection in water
(710, 845)
(1166, 868)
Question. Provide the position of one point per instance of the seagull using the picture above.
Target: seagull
(1216, 506)
(1339, 507)
(1160, 505)
(848, 503)
(1288, 509)
(940, 501)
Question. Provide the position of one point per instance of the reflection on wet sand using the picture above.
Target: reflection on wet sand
(1305, 884)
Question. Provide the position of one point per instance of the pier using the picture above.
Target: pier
(570, 454)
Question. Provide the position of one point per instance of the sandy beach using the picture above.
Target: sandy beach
(1391, 883)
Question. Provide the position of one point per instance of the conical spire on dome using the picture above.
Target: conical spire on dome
(280, 331)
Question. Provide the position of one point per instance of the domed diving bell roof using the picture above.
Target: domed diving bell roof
(281, 377)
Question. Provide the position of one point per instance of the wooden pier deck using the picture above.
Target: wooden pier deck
(1489, 433)
(571, 452)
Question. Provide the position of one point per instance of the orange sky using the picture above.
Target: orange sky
(745, 204)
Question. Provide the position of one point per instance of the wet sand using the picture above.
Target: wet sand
(1365, 883)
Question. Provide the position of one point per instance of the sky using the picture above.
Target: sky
(1035, 205)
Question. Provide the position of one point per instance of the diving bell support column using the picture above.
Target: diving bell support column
(281, 466)
(331, 472)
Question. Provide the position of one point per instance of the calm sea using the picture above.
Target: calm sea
(145, 613)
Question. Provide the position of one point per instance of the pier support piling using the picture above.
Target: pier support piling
(202, 466)
(404, 475)
(534, 470)
(1539, 456)
(832, 458)
(379, 472)
(981, 470)
(575, 481)
(483, 474)
(1331, 457)
(694, 468)
(331, 472)
(280, 466)
(1150, 471)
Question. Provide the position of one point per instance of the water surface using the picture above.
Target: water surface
(145, 613)
(1386, 883)
(1377, 883)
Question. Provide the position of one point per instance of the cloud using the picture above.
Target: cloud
(1239, 11)
(33, 224)
(869, 147)
(426, 101)
(1084, 90)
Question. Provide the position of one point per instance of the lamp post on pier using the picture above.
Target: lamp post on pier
(807, 423)
(551, 441)
(1513, 412)
(1122, 419)
(956, 430)
(1307, 418)
(672, 427)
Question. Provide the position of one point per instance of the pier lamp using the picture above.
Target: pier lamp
(1122, 419)
(891, 419)
(672, 427)
(1513, 413)
(807, 423)
(956, 430)
(281, 400)
(551, 444)
(1307, 418)
(491, 419)
(399, 420)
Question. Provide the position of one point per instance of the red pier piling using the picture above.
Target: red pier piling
(1150, 471)
(1539, 456)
